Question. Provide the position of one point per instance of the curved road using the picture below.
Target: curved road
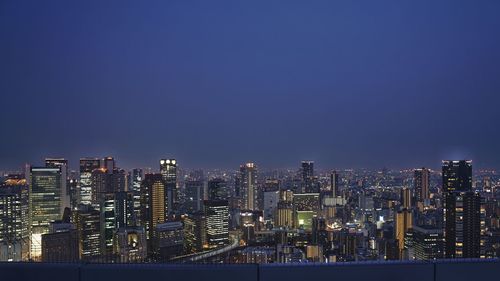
(235, 243)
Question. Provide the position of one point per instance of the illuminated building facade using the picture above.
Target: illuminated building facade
(195, 232)
(136, 177)
(169, 241)
(403, 221)
(421, 183)
(154, 204)
(428, 243)
(248, 185)
(217, 215)
(130, 245)
(88, 224)
(87, 165)
(168, 169)
(14, 219)
(45, 204)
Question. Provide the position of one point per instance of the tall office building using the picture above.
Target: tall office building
(271, 199)
(99, 185)
(105, 182)
(217, 215)
(169, 240)
(87, 165)
(136, 177)
(428, 243)
(63, 165)
(88, 224)
(403, 222)
(124, 209)
(168, 169)
(108, 164)
(248, 185)
(421, 181)
(462, 211)
(334, 184)
(154, 209)
(195, 232)
(45, 193)
(217, 189)
(193, 196)
(307, 171)
(108, 223)
(14, 219)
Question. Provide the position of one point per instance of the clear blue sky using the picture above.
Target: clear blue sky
(217, 83)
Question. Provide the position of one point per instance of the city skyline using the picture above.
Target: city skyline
(153, 168)
(249, 133)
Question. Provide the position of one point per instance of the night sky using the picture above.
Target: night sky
(217, 83)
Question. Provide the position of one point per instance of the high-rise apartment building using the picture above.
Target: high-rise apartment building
(403, 222)
(154, 206)
(462, 211)
(248, 185)
(421, 184)
(307, 172)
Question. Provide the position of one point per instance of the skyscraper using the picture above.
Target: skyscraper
(217, 189)
(428, 243)
(108, 222)
(14, 219)
(63, 165)
(406, 198)
(193, 196)
(334, 184)
(271, 199)
(88, 224)
(421, 181)
(462, 211)
(154, 210)
(136, 177)
(87, 165)
(45, 193)
(248, 185)
(402, 223)
(168, 169)
(109, 164)
(217, 215)
(307, 171)
(195, 232)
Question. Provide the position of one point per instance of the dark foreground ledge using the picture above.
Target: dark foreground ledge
(443, 270)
